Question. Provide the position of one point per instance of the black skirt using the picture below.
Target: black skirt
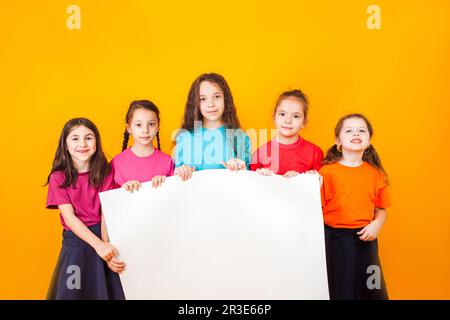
(81, 274)
(354, 269)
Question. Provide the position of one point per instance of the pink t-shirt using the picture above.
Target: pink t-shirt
(83, 196)
(128, 166)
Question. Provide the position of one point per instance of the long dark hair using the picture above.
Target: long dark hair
(139, 104)
(98, 164)
(192, 108)
(370, 155)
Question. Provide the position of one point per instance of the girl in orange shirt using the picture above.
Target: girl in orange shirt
(354, 200)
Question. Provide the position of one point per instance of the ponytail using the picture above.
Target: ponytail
(333, 155)
(157, 141)
(126, 137)
(371, 156)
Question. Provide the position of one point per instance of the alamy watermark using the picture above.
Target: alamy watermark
(207, 146)
(374, 280)
(74, 280)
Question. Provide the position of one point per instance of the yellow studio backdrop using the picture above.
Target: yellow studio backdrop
(55, 67)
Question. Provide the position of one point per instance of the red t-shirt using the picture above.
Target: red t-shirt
(300, 156)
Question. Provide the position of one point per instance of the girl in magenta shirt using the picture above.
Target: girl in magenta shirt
(80, 171)
(141, 162)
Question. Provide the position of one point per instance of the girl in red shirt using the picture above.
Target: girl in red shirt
(288, 154)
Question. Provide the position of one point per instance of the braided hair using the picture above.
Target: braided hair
(157, 141)
(139, 104)
(126, 137)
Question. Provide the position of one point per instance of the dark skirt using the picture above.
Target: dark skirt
(354, 269)
(81, 274)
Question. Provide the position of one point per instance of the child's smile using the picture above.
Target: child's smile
(354, 135)
(81, 144)
(289, 118)
(211, 104)
(84, 151)
(356, 140)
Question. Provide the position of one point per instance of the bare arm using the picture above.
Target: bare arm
(114, 264)
(105, 250)
(104, 230)
(371, 231)
(380, 216)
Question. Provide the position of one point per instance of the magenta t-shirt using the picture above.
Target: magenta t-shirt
(128, 166)
(83, 196)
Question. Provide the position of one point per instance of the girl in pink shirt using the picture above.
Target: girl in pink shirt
(141, 162)
(80, 171)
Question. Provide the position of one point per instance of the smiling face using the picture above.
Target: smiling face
(212, 104)
(289, 117)
(143, 126)
(81, 144)
(354, 135)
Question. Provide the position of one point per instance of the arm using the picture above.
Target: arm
(247, 152)
(183, 150)
(104, 249)
(380, 216)
(255, 164)
(371, 231)
(242, 153)
(114, 264)
(318, 158)
(104, 230)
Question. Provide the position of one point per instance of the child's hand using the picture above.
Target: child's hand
(106, 250)
(158, 181)
(310, 172)
(315, 172)
(234, 164)
(290, 174)
(184, 172)
(370, 232)
(132, 185)
(116, 265)
(264, 171)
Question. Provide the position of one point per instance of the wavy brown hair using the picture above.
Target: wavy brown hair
(98, 164)
(192, 109)
(139, 104)
(370, 155)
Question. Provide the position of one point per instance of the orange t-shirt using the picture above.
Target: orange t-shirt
(351, 194)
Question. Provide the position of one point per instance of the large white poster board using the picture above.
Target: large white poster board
(220, 235)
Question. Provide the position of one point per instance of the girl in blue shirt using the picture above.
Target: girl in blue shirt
(211, 136)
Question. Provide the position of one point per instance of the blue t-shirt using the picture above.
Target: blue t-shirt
(206, 148)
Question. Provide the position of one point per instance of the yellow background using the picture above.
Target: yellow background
(398, 76)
